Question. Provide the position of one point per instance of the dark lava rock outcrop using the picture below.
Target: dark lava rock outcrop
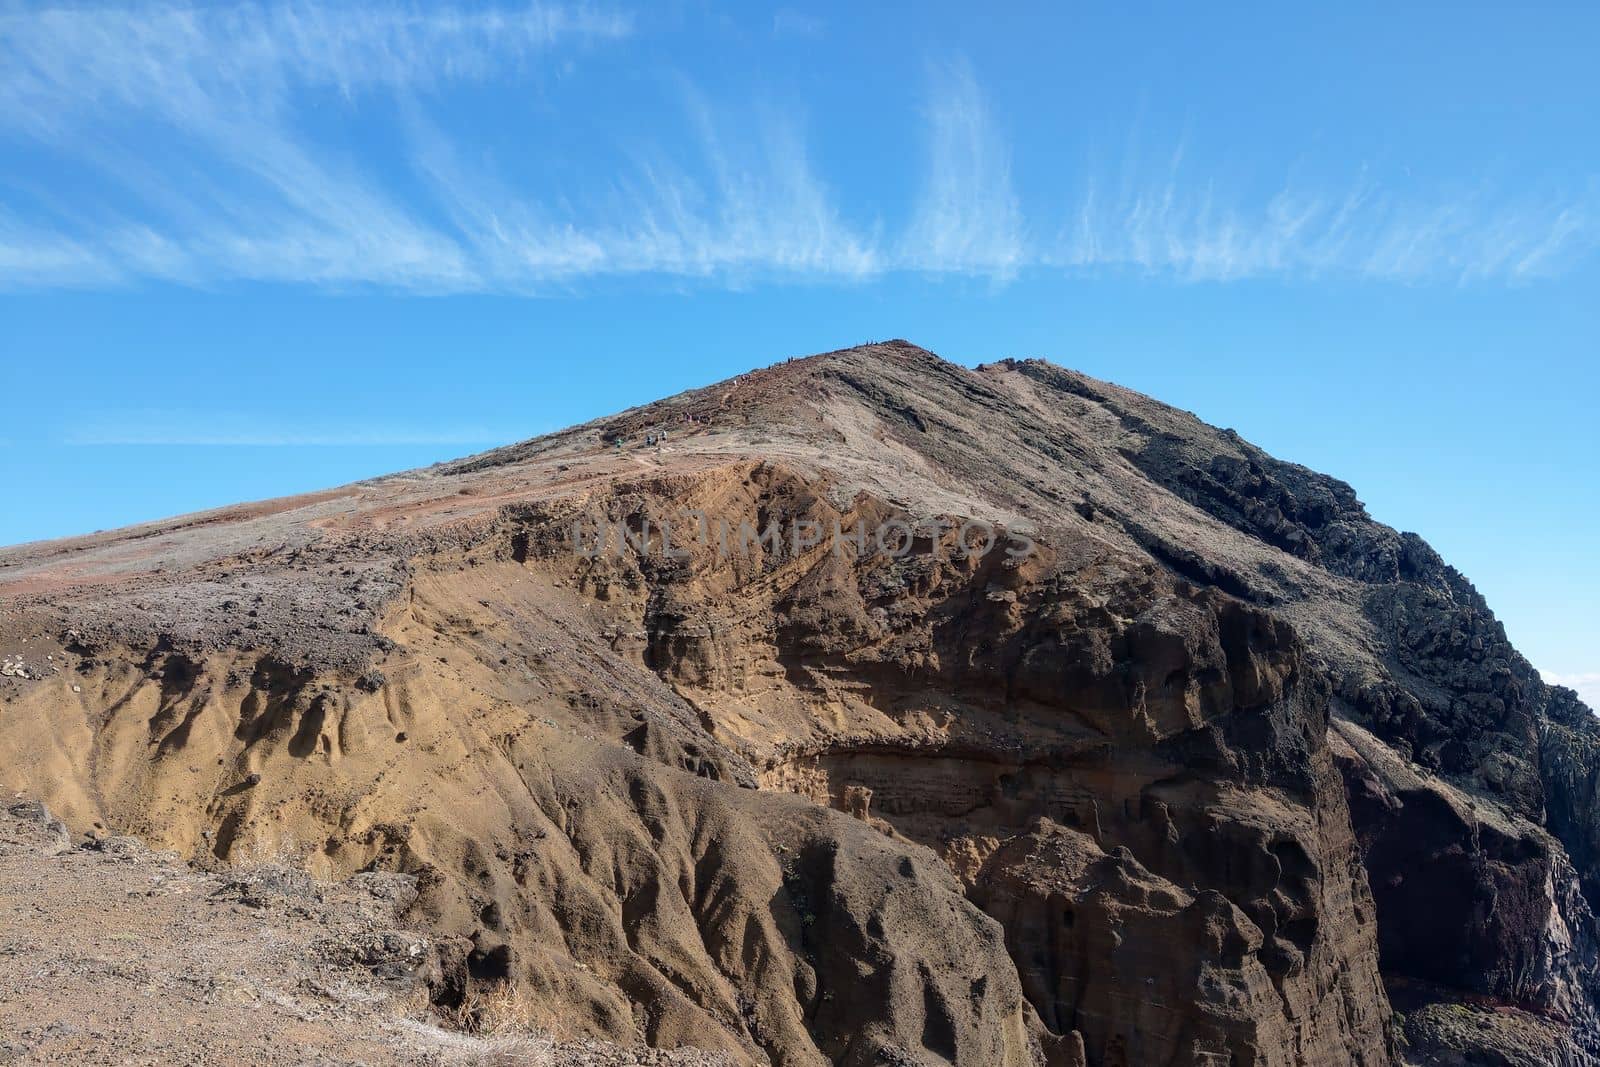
(1208, 768)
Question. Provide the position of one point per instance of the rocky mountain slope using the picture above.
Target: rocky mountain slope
(1197, 764)
(114, 954)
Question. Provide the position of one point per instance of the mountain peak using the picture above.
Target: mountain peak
(824, 736)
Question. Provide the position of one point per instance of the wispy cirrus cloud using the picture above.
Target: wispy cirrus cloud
(245, 194)
(202, 153)
(750, 206)
(967, 217)
(1176, 220)
(44, 258)
(190, 61)
(258, 199)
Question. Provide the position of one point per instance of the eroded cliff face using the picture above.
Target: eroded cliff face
(627, 895)
(1071, 704)
(1474, 806)
(804, 802)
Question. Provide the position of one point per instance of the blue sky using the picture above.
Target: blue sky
(249, 250)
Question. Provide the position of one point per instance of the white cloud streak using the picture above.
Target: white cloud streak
(1180, 225)
(223, 79)
(42, 258)
(195, 126)
(180, 61)
(756, 213)
(257, 202)
(281, 211)
(967, 219)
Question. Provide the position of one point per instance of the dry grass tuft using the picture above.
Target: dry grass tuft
(506, 1052)
(496, 1009)
(503, 1009)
